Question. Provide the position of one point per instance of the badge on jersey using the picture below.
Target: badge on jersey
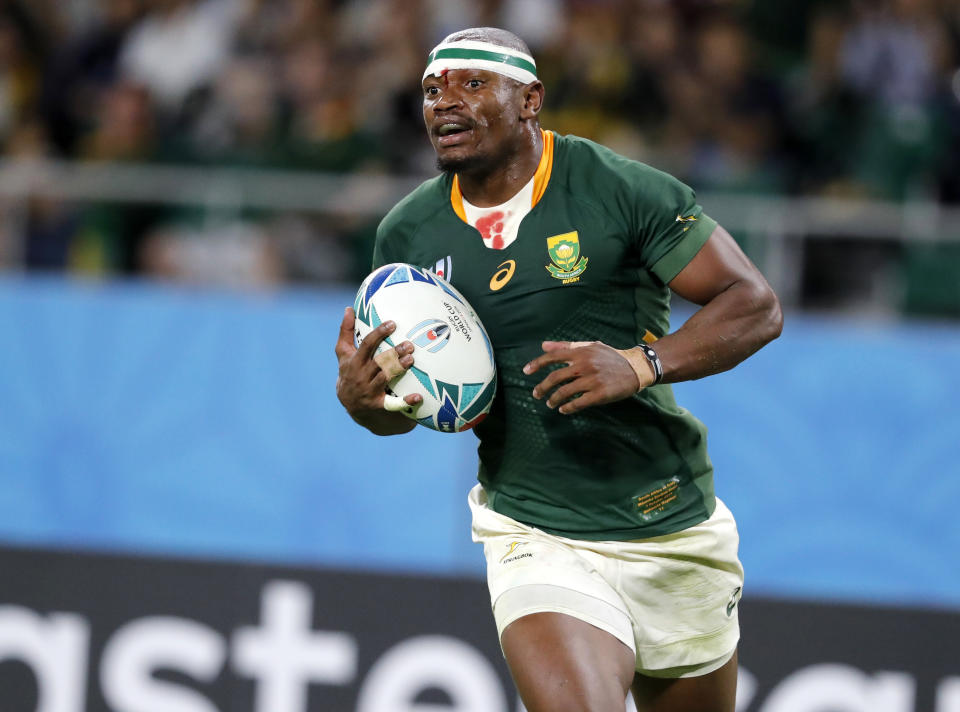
(688, 219)
(444, 268)
(564, 251)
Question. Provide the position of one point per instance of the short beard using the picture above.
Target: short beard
(470, 164)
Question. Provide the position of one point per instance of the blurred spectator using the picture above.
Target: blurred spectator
(330, 125)
(267, 27)
(108, 234)
(123, 129)
(893, 56)
(824, 113)
(81, 71)
(537, 21)
(655, 40)
(240, 122)
(859, 98)
(179, 47)
(19, 77)
(740, 145)
(890, 52)
(225, 255)
(48, 225)
(586, 70)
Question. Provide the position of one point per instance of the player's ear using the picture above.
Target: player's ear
(532, 100)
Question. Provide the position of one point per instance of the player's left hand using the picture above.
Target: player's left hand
(594, 374)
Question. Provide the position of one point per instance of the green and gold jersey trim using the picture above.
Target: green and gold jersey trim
(540, 178)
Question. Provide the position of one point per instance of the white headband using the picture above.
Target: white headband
(473, 54)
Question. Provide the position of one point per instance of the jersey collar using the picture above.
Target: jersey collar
(540, 178)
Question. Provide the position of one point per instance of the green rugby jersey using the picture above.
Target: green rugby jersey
(591, 262)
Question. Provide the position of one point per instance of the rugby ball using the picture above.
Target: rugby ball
(453, 367)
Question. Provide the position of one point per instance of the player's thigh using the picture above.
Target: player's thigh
(563, 664)
(713, 692)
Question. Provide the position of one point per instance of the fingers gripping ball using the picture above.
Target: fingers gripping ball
(453, 368)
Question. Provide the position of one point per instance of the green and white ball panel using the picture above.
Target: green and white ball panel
(454, 369)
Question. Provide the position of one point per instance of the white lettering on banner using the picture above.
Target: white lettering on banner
(284, 655)
(948, 695)
(432, 661)
(55, 649)
(143, 646)
(841, 688)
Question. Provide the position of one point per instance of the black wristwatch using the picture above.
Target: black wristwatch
(654, 361)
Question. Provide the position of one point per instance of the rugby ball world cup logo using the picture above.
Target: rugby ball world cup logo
(430, 334)
(564, 251)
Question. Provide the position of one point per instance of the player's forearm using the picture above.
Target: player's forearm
(723, 332)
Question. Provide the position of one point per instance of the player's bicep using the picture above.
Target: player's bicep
(719, 264)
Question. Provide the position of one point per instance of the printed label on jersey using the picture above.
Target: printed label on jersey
(507, 558)
(503, 275)
(653, 503)
(564, 251)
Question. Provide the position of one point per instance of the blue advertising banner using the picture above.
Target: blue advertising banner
(138, 418)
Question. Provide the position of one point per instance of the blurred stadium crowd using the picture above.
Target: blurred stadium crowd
(794, 97)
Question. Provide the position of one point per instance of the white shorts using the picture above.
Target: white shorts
(671, 599)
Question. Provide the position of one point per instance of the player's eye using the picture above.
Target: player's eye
(431, 91)
(474, 83)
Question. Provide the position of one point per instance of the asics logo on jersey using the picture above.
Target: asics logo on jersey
(503, 275)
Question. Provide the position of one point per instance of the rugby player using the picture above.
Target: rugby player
(612, 565)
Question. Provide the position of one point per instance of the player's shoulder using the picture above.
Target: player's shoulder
(415, 208)
(586, 164)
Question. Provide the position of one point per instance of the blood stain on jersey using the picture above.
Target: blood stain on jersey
(491, 228)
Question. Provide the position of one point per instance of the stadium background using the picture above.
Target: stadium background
(188, 192)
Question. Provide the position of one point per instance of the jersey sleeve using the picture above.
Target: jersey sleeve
(380, 250)
(667, 223)
(389, 242)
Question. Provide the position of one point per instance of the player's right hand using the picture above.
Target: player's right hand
(361, 383)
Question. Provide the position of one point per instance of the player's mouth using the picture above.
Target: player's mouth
(453, 133)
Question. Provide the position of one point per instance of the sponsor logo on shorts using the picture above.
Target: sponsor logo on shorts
(734, 599)
(514, 545)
